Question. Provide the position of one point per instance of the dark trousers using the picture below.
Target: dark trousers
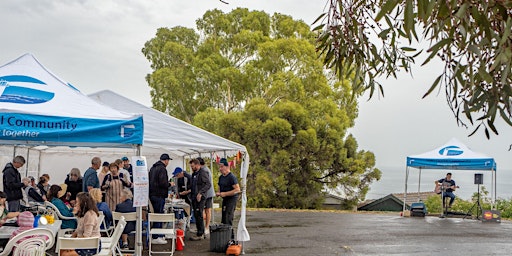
(228, 209)
(158, 206)
(198, 214)
(14, 205)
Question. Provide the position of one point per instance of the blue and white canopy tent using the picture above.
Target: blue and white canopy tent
(453, 155)
(38, 108)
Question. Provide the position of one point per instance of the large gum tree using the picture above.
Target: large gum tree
(256, 79)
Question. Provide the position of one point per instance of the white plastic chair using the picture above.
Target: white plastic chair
(57, 215)
(169, 232)
(101, 220)
(35, 242)
(72, 243)
(109, 245)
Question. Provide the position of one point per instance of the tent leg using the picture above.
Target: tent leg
(405, 190)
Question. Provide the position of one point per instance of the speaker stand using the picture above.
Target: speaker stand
(477, 204)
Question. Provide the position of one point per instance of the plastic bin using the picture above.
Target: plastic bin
(220, 234)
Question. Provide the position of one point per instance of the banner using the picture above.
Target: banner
(140, 181)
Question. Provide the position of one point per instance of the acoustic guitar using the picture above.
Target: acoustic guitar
(439, 187)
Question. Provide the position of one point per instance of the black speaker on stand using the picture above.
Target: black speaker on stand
(479, 180)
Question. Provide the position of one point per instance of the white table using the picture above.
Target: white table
(6, 231)
(179, 204)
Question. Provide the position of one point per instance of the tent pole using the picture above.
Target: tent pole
(494, 175)
(211, 173)
(26, 165)
(405, 193)
(138, 228)
(39, 165)
(419, 184)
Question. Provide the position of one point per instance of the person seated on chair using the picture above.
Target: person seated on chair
(87, 214)
(25, 222)
(4, 213)
(126, 205)
(102, 206)
(448, 186)
(31, 195)
(54, 195)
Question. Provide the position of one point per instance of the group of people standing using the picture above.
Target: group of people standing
(196, 189)
(106, 187)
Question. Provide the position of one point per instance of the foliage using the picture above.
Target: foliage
(375, 38)
(434, 205)
(256, 79)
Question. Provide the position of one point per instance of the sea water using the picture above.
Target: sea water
(393, 181)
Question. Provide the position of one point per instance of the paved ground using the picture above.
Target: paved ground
(277, 232)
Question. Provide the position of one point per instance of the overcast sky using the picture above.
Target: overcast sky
(96, 45)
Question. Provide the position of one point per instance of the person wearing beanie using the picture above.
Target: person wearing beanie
(25, 222)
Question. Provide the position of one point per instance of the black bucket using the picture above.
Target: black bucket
(220, 234)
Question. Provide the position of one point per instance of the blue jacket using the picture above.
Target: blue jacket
(102, 206)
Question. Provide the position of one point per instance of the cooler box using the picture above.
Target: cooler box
(220, 234)
(418, 209)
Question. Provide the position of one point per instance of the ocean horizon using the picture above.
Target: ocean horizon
(393, 181)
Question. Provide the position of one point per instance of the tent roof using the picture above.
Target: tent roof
(167, 132)
(38, 108)
(452, 155)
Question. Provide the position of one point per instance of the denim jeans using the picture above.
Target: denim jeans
(451, 195)
(158, 206)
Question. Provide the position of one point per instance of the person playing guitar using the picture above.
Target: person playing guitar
(446, 186)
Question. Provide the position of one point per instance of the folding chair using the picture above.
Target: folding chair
(72, 243)
(109, 245)
(162, 217)
(101, 220)
(128, 216)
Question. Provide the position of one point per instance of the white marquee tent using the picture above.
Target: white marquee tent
(43, 114)
(164, 132)
(453, 155)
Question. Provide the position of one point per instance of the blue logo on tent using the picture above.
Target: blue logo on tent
(23, 95)
(451, 151)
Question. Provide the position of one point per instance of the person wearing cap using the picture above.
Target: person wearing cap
(90, 179)
(12, 183)
(183, 183)
(158, 189)
(228, 190)
(209, 197)
(127, 166)
(200, 185)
